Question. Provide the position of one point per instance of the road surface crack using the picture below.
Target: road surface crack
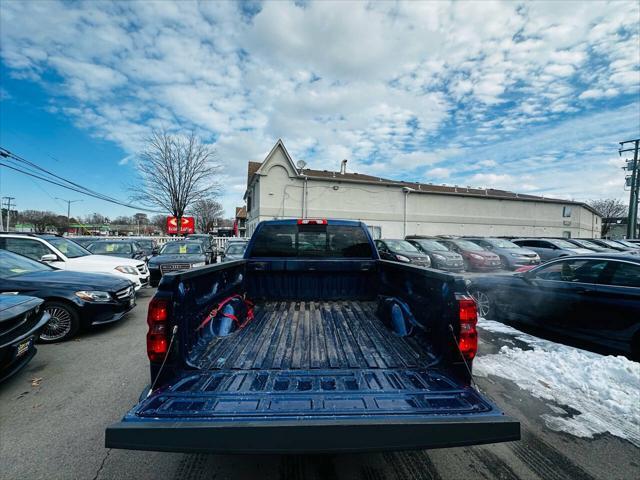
(102, 464)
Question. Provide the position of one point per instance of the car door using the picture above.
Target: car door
(616, 316)
(566, 292)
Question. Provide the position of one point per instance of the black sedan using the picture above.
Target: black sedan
(118, 248)
(72, 299)
(589, 298)
(21, 319)
(174, 257)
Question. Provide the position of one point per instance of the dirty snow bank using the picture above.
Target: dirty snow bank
(605, 390)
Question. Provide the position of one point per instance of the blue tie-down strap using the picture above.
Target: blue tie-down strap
(397, 315)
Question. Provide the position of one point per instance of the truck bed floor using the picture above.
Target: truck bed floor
(313, 335)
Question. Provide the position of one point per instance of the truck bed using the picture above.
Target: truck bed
(312, 335)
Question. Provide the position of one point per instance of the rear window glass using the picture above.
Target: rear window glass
(310, 241)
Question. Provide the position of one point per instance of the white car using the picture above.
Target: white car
(65, 254)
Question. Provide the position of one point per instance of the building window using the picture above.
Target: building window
(249, 203)
(566, 234)
(375, 231)
(566, 211)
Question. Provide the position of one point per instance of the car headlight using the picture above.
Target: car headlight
(402, 258)
(437, 256)
(199, 264)
(93, 296)
(477, 257)
(127, 269)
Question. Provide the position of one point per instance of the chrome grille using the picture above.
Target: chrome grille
(124, 294)
(174, 267)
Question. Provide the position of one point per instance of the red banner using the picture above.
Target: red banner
(188, 225)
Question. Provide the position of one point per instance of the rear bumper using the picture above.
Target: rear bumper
(310, 436)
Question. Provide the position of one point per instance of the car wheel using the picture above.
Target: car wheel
(484, 303)
(64, 322)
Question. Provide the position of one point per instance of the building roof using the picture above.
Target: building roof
(241, 212)
(416, 187)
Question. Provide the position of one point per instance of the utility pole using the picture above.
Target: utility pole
(634, 195)
(8, 199)
(68, 202)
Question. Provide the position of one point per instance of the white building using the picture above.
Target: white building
(277, 188)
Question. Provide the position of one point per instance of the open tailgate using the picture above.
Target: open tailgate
(277, 411)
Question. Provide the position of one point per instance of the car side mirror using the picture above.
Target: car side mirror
(49, 257)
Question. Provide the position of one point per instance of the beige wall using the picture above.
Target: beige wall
(279, 194)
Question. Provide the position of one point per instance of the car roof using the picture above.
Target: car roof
(330, 221)
(607, 256)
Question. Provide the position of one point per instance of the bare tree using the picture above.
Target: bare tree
(176, 171)
(206, 212)
(39, 220)
(609, 209)
(159, 222)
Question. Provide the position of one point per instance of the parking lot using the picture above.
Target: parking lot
(54, 413)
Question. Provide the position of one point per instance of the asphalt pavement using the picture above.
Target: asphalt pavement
(53, 415)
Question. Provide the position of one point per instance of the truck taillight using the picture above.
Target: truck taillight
(312, 221)
(158, 334)
(468, 340)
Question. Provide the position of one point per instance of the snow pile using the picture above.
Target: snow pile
(604, 390)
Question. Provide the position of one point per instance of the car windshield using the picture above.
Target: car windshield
(181, 248)
(563, 244)
(501, 243)
(236, 249)
(401, 246)
(611, 243)
(68, 248)
(145, 244)
(12, 265)
(467, 245)
(432, 245)
(109, 248)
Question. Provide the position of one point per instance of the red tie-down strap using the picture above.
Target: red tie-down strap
(248, 303)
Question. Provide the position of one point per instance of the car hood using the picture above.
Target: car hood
(522, 251)
(177, 258)
(485, 254)
(103, 261)
(447, 255)
(13, 305)
(73, 280)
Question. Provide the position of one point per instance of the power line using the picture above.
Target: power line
(30, 170)
(634, 196)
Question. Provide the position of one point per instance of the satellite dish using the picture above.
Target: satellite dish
(301, 164)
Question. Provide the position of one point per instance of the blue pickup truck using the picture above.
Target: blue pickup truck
(310, 343)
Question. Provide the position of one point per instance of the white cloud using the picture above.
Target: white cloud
(397, 88)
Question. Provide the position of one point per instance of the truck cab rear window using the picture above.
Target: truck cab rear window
(309, 241)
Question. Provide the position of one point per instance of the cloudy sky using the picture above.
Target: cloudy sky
(528, 96)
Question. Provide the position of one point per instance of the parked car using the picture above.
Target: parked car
(85, 241)
(234, 251)
(593, 298)
(590, 245)
(635, 249)
(512, 256)
(549, 248)
(146, 244)
(208, 246)
(174, 257)
(603, 242)
(441, 257)
(72, 299)
(21, 319)
(402, 251)
(475, 257)
(118, 248)
(64, 254)
(298, 350)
